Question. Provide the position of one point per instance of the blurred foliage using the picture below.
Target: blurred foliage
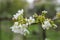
(6, 34)
(9, 7)
(53, 35)
(50, 8)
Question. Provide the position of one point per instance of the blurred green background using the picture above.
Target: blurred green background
(10, 7)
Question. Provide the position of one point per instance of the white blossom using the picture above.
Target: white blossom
(20, 11)
(16, 23)
(21, 28)
(18, 14)
(25, 25)
(23, 31)
(15, 27)
(31, 20)
(44, 11)
(47, 39)
(46, 24)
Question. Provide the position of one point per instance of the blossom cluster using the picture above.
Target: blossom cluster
(19, 28)
(47, 24)
(21, 23)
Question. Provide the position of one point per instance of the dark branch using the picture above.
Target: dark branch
(5, 18)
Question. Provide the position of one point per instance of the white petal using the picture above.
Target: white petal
(19, 11)
(44, 11)
(17, 14)
(30, 17)
(43, 26)
(16, 23)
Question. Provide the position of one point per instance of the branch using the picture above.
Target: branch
(5, 18)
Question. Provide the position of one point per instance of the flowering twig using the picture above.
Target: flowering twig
(21, 23)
